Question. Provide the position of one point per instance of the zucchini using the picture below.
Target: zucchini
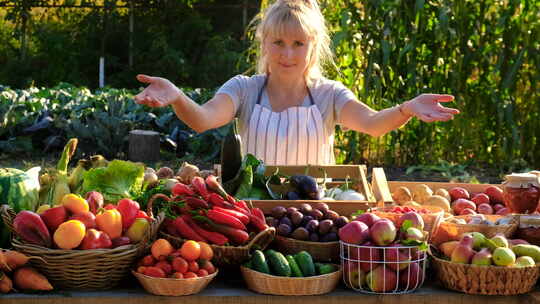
(258, 262)
(278, 263)
(305, 261)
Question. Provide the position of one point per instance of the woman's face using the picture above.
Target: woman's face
(288, 54)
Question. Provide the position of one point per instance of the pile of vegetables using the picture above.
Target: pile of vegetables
(203, 211)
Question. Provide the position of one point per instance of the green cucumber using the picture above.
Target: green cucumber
(278, 263)
(248, 264)
(324, 268)
(305, 261)
(258, 261)
(296, 272)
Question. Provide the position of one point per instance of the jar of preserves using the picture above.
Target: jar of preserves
(521, 192)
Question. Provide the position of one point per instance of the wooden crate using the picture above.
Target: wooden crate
(436, 185)
(338, 174)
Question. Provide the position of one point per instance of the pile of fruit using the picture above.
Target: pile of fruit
(298, 265)
(307, 223)
(83, 223)
(481, 219)
(25, 278)
(456, 200)
(474, 248)
(191, 260)
(203, 211)
(380, 257)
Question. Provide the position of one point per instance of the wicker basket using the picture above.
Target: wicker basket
(486, 280)
(95, 269)
(275, 285)
(320, 251)
(448, 231)
(431, 219)
(173, 287)
(227, 256)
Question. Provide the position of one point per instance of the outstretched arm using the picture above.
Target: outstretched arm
(160, 92)
(426, 107)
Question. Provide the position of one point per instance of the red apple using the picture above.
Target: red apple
(353, 276)
(367, 218)
(498, 207)
(383, 232)
(53, 217)
(95, 239)
(355, 232)
(382, 279)
(412, 277)
(87, 218)
(397, 259)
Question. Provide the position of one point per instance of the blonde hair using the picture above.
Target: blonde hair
(305, 15)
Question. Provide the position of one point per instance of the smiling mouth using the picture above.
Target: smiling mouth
(286, 65)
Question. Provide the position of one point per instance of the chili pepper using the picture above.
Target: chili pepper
(213, 184)
(214, 237)
(242, 204)
(182, 189)
(186, 231)
(231, 199)
(199, 185)
(239, 215)
(241, 210)
(225, 219)
(258, 212)
(236, 236)
(110, 222)
(129, 209)
(257, 222)
(195, 203)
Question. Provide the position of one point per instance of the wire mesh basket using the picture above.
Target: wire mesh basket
(394, 269)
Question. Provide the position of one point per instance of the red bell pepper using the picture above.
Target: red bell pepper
(129, 209)
(143, 215)
(239, 215)
(225, 219)
(214, 237)
(182, 189)
(186, 231)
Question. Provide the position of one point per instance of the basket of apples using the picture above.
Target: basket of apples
(82, 243)
(378, 256)
(169, 271)
(489, 266)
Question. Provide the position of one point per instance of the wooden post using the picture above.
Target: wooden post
(143, 146)
(131, 22)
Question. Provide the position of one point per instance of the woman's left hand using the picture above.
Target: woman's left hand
(427, 107)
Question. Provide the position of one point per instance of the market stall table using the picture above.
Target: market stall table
(220, 292)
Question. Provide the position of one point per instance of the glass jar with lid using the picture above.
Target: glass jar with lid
(521, 192)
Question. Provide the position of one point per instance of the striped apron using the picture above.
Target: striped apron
(295, 136)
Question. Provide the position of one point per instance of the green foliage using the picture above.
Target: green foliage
(485, 53)
(101, 121)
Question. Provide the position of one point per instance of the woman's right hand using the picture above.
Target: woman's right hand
(160, 92)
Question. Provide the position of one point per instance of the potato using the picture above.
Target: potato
(401, 195)
(438, 201)
(421, 193)
(444, 193)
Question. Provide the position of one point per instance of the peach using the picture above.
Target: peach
(75, 203)
(480, 198)
(461, 203)
(458, 192)
(484, 209)
(69, 234)
(495, 194)
(467, 211)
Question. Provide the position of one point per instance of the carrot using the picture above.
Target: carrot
(14, 259)
(29, 278)
(5, 283)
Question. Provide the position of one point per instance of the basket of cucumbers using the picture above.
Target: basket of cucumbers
(271, 272)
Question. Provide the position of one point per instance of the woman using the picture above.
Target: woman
(288, 112)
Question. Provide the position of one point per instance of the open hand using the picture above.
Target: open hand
(427, 107)
(161, 92)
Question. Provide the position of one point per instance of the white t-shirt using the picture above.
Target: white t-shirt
(330, 96)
